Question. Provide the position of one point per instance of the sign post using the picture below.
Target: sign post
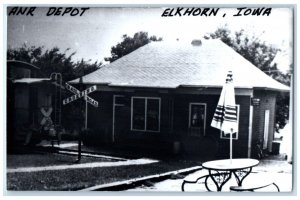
(87, 99)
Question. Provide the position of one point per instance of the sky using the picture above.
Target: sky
(93, 34)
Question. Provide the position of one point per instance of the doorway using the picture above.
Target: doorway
(121, 118)
(266, 129)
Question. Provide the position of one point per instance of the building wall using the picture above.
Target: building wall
(44, 100)
(28, 101)
(267, 102)
(101, 119)
(21, 105)
(173, 124)
(181, 115)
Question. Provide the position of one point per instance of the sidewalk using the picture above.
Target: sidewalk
(279, 170)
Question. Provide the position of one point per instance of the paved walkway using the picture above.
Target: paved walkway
(279, 171)
(64, 145)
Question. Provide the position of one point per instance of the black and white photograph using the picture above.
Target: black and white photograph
(133, 99)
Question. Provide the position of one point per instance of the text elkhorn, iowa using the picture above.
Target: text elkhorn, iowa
(244, 11)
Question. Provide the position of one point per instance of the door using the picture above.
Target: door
(121, 118)
(266, 129)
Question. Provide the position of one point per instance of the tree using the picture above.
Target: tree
(53, 60)
(129, 44)
(261, 55)
(282, 110)
(27, 54)
(254, 50)
(83, 67)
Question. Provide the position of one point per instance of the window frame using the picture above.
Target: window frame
(205, 113)
(146, 109)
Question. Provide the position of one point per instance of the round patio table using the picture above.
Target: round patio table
(220, 171)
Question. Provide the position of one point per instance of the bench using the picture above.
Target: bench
(196, 177)
(256, 181)
(251, 184)
(252, 188)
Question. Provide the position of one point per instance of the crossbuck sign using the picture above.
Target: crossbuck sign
(46, 115)
(78, 95)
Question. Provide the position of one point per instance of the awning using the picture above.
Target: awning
(32, 80)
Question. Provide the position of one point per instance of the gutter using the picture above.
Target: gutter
(273, 89)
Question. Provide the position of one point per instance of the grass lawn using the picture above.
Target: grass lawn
(75, 179)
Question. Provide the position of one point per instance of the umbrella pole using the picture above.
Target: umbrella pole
(231, 147)
(86, 112)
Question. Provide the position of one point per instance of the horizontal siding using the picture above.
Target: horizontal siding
(181, 117)
(100, 120)
(267, 102)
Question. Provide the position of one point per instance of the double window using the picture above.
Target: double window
(145, 114)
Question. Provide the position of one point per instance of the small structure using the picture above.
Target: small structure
(32, 102)
(165, 94)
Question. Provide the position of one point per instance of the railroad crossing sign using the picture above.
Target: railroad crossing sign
(78, 94)
(84, 94)
(46, 115)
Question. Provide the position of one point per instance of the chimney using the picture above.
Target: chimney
(196, 42)
(206, 36)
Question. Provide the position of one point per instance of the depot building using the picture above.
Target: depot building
(164, 94)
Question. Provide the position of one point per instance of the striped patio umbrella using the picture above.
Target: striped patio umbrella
(225, 117)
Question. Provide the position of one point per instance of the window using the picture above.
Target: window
(145, 114)
(197, 118)
(138, 122)
(235, 136)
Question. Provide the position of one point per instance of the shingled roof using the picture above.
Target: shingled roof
(171, 65)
